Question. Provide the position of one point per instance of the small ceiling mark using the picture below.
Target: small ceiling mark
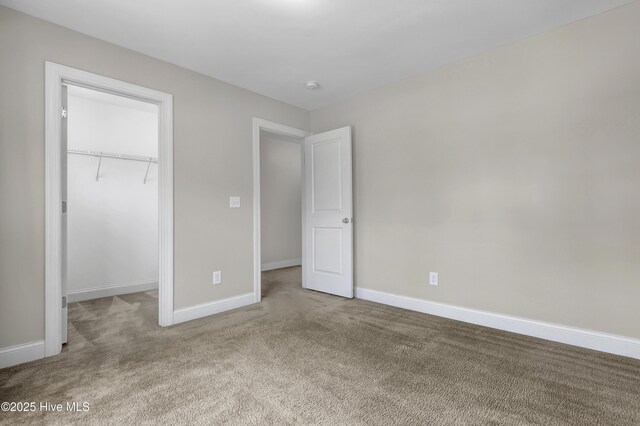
(312, 85)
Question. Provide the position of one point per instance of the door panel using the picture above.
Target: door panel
(326, 258)
(328, 213)
(327, 194)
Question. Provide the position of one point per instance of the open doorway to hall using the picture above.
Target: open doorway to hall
(281, 212)
(326, 209)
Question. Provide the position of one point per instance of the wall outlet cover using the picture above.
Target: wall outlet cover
(433, 278)
(217, 277)
(234, 202)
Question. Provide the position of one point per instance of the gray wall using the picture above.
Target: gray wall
(515, 174)
(212, 154)
(280, 198)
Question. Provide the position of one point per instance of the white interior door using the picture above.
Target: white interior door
(328, 213)
(63, 187)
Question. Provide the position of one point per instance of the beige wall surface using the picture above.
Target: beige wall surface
(515, 174)
(212, 160)
(280, 198)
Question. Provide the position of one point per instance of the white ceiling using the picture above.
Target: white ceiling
(273, 46)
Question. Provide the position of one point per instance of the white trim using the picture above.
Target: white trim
(618, 345)
(260, 124)
(281, 264)
(211, 308)
(19, 354)
(55, 75)
(110, 290)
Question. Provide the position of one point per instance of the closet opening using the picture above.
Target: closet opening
(107, 162)
(110, 219)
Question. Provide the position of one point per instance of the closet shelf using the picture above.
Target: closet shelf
(114, 155)
(102, 155)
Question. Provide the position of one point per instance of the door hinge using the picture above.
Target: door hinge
(64, 302)
(64, 112)
(64, 207)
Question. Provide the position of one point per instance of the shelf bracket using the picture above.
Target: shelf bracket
(99, 164)
(147, 172)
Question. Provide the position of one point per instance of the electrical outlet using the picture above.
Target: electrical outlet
(433, 278)
(234, 202)
(217, 277)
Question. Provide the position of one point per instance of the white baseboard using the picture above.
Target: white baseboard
(215, 307)
(19, 354)
(604, 342)
(111, 290)
(281, 264)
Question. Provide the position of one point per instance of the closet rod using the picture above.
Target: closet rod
(113, 155)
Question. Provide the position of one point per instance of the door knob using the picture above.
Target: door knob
(345, 220)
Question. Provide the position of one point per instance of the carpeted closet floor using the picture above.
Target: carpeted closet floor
(302, 357)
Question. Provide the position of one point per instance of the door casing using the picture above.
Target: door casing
(55, 76)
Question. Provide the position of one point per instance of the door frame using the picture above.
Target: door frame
(271, 127)
(55, 76)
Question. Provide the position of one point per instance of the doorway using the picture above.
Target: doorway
(281, 205)
(58, 79)
(326, 207)
(110, 189)
(263, 128)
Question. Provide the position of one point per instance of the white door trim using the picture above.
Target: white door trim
(55, 75)
(269, 126)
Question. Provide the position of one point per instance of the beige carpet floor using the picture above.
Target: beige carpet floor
(302, 357)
